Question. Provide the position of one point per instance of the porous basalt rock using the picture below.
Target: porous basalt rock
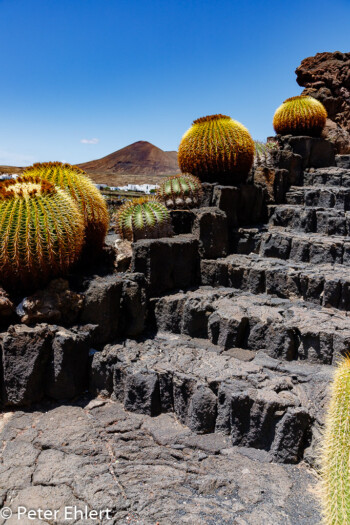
(261, 403)
(7, 307)
(230, 318)
(168, 263)
(117, 304)
(315, 152)
(95, 455)
(211, 229)
(55, 304)
(325, 77)
(45, 360)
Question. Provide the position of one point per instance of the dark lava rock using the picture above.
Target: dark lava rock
(7, 307)
(182, 221)
(210, 228)
(100, 456)
(168, 263)
(45, 360)
(67, 372)
(315, 152)
(325, 77)
(25, 357)
(102, 306)
(117, 303)
(261, 403)
(141, 394)
(202, 410)
(55, 304)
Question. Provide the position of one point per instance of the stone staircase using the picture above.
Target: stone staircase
(249, 351)
(300, 257)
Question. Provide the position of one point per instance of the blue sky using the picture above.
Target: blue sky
(117, 71)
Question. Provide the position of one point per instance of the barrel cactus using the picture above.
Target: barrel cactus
(335, 452)
(41, 232)
(302, 115)
(180, 191)
(143, 218)
(89, 199)
(217, 149)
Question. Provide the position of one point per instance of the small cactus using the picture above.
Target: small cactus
(89, 199)
(263, 153)
(143, 218)
(180, 191)
(300, 115)
(41, 231)
(335, 451)
(217, 149)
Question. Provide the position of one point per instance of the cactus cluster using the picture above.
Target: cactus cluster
(143, 218)
(41, 231)
(180, 191)
(301, 115)
(335, 452)
(217, 149)
(90, 201)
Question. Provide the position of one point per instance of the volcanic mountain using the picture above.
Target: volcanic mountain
(137, 163)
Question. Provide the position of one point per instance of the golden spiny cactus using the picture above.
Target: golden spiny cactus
(180, 191)
(300, 115)
(143, 218)
(41, 231)
(89, 199)
(335, 453)
(217, 149)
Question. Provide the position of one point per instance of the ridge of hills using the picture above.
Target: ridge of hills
(138, 163)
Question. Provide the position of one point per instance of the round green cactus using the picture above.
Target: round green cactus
(180, 191)
(335, 452)
(300, 115)
(217, 149)
(41, 232)
(144, 218)
(89, 199)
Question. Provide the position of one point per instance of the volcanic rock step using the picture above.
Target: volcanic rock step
(327, 221)
(261, 403)
(324, 284)
(336, 197)
(332, 176)
(231, 318)
(276, 242)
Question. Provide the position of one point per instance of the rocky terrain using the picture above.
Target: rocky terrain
(326, 77)
(144, 470)
(207, 376)
(187, 381)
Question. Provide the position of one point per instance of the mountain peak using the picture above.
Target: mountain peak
(141, 157)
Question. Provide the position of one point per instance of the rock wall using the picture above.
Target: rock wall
(326, 77)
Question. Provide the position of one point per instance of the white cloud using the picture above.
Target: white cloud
(90, 141)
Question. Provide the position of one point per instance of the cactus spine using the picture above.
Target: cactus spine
(144, 218)
(300, 115)
(217, 149)
(41, 231)
(180, 191)
(90, 201)
(335, 453)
